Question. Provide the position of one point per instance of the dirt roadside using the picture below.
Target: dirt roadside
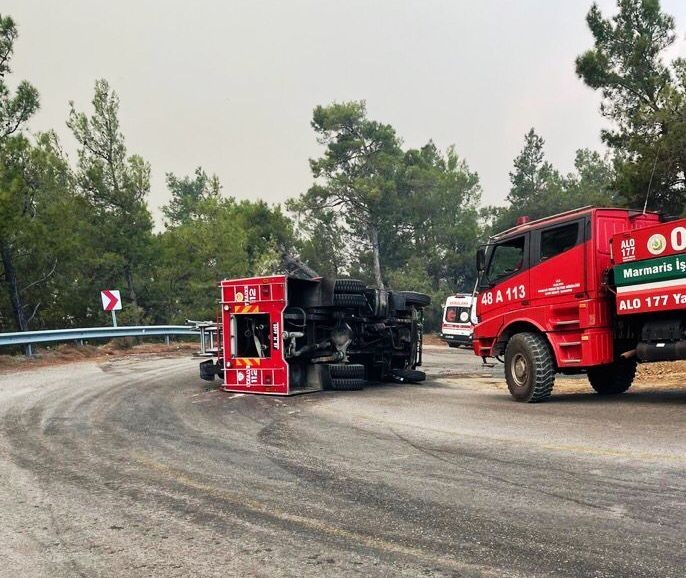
(69, 353)
(661, 375)
(666, 375)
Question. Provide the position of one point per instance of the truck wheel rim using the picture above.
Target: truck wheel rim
(520, 369)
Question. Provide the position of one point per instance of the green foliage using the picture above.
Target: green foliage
(355, 178)
(320, 239)
(406, 218)
(383, 214)
(49, 238)
(188, 195)
(266, 229)
(539, 190)
(412, 277)
(217, 238)
(534, 181)
(436, 218)
(14, 110)
(21, 174)
(592, 182)
(116, 185)
(191, 259)
(644, 97)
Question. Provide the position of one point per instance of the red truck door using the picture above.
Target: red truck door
(559, 282)
(505, 283)
(558, 264)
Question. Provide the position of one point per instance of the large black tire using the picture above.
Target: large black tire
(414, 298)
(349, 300)
(349, 286)
(614, 378)
(346, 371)
(397, 302)
(529, 367)
(347, 384)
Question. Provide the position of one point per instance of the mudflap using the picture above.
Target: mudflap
(208, 370)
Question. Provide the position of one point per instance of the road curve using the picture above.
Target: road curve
(135, 467)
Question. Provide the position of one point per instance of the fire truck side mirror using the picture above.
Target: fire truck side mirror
(480, 259)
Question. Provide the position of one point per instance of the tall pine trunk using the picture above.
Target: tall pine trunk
(374, 237)
(13, 286)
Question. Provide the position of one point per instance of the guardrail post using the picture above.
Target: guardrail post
(202, 340)
(29, 350)
(166, 339)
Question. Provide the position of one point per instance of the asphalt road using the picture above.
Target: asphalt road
(136, 468)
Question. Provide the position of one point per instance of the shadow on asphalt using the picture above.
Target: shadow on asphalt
(629, 398)
(382, 385)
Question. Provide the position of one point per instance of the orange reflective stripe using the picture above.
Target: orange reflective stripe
(247, 361)
(246, 309)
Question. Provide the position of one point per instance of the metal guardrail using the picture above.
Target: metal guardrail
(30, 337)
(208, 337)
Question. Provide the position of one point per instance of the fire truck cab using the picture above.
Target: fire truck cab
(544, 302)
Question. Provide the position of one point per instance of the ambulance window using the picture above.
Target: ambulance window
(457, 314)
(558, 240)
(507, 259)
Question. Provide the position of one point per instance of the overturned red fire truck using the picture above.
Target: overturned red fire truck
(587, 291)
(283, 335)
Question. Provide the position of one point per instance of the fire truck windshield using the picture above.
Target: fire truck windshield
(506, 260)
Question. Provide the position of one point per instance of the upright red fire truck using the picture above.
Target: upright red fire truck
(587, 291)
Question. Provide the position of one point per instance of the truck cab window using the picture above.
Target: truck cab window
(506, 260)
(558, 240)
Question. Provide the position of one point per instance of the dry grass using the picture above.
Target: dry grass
(650, 376)
(433, 339)
(670, 371)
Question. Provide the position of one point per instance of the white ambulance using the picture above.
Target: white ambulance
(458, 327)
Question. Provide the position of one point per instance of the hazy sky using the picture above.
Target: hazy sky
(230, 85)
